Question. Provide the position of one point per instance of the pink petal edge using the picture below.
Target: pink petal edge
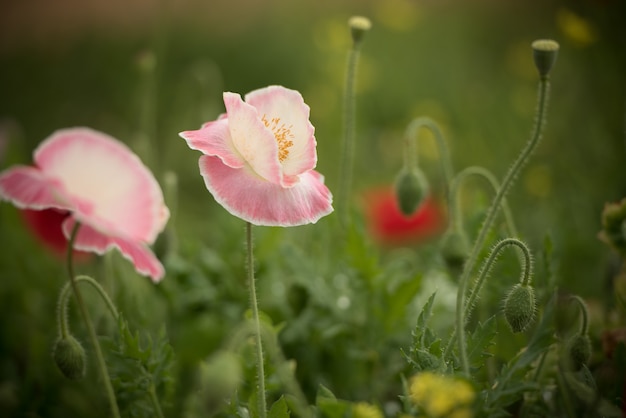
(28, 188)
(119, 191)
(138, 253)
(259, 202)
(214, 139)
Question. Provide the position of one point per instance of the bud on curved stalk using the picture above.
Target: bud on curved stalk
(411, 188)
(454, 249)
(69, 356)
(520, 307)
(578, 351)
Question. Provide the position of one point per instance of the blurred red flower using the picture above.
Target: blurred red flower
(389, 226)
(45, 225)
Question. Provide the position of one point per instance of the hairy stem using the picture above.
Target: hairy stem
(544, 88)
(87, 320)
(262, 403)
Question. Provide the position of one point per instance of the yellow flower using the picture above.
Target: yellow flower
(440, 396)
(575, 27)
(365, 410)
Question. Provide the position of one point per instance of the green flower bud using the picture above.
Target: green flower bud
(411, 189)
(545, 52)
(358, 26)
(519, 307)
(578, 350)
(220, 376)
(454, 249)
(70, 357)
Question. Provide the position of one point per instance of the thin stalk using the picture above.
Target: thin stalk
(455, 206)
(63, 301)
(87, 319)
(155, 402)
(489, 263)
(544, 88)
(347, 154)
(584, 327)
(257, 324)
(444, 154)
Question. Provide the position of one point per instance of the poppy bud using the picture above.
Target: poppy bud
(454, 249)
(70, 357)
(544, 54)
(578, 351)
(411, 189)
(519, 307)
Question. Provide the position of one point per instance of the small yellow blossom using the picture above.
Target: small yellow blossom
(576, 28)
(439, 396)
(366, 410)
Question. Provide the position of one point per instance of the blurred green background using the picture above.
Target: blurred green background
(145, 71)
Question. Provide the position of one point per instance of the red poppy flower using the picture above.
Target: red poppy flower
(390, 226)
(45, 225)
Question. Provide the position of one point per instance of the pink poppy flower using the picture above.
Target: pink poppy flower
(389, 226)
(259, 157)
(103, 185)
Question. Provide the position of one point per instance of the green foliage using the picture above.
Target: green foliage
(141, 370)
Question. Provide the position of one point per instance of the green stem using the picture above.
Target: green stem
(347, 154)
(455, 206)
(155, 402)
(584, 324)
(257, 324)
(63, 302)
(444, 154)
(87, 319)
(544, 88)
(489, 263)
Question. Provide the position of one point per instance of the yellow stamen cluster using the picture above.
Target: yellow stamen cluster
(439, 396)
(282, 134)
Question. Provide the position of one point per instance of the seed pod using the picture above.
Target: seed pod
(411, 189)
(544, 54)
(70, 357)
(519, 307)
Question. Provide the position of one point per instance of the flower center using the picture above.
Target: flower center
(282, 134)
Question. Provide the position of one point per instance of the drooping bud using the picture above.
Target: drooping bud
(220, 376)
(358, 26)
(519, 307)
(545, 52)
(454, 249)
(70, 357)
(578, 350)
(411, 188)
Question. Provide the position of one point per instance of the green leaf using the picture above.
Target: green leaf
(479, 342)
(279, 409)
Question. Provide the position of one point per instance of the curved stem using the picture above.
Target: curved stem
(444, 154)
(63, 302)
(489, 263)
(87, 319)
(257, 324)
(455, 206)
(584, 324)
(544, 88)
(347, 154)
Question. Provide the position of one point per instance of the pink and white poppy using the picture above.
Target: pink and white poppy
(103, 185)
(259, 158)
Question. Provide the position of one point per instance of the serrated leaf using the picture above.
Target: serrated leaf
(480, 340)
(279, 409)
